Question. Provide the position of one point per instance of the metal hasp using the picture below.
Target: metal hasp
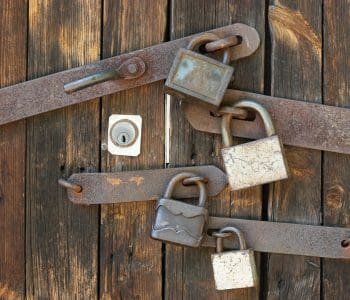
(179, 222)
(142, 185)
(47, 93)
(285, 238)
(298, 123)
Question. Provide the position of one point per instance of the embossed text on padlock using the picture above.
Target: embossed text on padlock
(254, 163)
(233, 269)
(199, 78)
(178, 222)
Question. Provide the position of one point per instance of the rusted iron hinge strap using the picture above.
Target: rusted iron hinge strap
(298, 123)
(121, 72)
(130, 186)
(286, 238)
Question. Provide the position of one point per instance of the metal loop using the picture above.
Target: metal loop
(193, 180)
(262, 111)
(234, 230)
(220, 44)
(69, 185)
(221, 235)
(209, 37)
(180, 177)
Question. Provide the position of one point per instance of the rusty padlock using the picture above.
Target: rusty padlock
(233, 269)
(199, 78)
(254, 163)
(178, 222)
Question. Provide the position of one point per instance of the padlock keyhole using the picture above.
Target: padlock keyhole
(123, 138)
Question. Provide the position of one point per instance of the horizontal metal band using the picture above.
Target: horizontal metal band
(47, 93)
(297, 123)
(142, 185)
(285, 238)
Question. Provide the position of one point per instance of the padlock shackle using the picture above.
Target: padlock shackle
(179, 178)
(262, 111)
(209, 37)
(234, 230)
(227, 138)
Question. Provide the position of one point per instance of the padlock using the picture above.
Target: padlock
(178, 222)
(199, 78)
(254, 163)
(233, 269)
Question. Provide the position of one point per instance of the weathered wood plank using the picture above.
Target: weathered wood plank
(130, 261)
(13, 45)
(336, 179)
(62, 238)
(296, 64)
(188, 271)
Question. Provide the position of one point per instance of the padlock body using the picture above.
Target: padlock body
(179, 223)
(234, 269)
(198, 78)
(254, 163)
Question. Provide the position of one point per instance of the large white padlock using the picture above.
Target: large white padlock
(233, 269)
(254, 163)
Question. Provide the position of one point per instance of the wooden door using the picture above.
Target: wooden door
(53, 249)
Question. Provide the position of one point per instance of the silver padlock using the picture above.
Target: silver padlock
(196, 77)
(254, 163)
(233, 269)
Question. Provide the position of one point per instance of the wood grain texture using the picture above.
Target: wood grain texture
(336, 179)
(296, 66)
(62, 239)
(189, 273)
(130, 261)
(13, 39)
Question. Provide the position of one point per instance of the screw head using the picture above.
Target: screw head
(132, 68)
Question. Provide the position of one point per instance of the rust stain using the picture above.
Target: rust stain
(114, 181)
(137, 179)
(301, 172)
(290, 25)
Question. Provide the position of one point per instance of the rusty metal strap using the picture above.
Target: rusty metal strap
(130, 186)
(286, 238)
(298, 123)
(146, 66)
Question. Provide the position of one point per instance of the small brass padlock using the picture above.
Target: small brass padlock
(254, 163)
(178, 222)
(233, 269)
(199, 78)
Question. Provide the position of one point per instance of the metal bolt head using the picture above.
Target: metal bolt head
(132, 68)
